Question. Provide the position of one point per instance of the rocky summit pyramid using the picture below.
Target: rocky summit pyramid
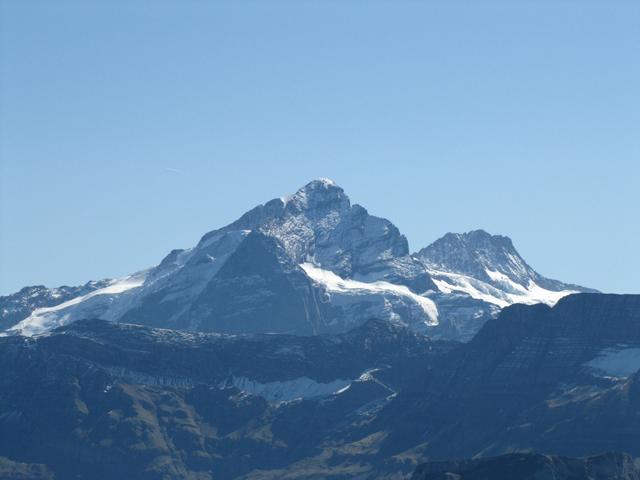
(304, 264)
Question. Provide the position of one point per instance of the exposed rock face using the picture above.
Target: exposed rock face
(491, 259)
(523, 466)
(306, 264)
(474, 253)
(258, 289)
(319, 224)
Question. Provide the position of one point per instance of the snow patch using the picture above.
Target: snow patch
(335, 284)
(287, 390)
(620, 361)
(327, 182)
(46, 318)
(506, 293)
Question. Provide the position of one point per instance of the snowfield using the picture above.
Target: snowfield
(288, 390)
(621, 361)
(509, 293)
(337, 285)
(95, 303)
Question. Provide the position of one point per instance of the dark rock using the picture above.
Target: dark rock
(529, 466)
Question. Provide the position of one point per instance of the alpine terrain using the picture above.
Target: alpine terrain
(100, 400)
(305, 264)
(306, 341)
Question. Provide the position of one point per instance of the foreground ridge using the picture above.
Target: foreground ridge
(530, 466)
(140, 402)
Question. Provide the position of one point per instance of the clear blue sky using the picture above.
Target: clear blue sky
(129, 128)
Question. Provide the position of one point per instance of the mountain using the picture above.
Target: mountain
(488, 267)
(305, 264)
(112, 399)
(528, 466)
(477, 274)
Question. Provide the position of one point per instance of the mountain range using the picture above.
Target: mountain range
(305, 264)
(306, 341)
(98, 399)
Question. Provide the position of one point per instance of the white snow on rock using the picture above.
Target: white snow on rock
(287, 390)
(183, 278)
(507, 292)
(621, 361)
(337, 285)
(488, 268)
(94, 304)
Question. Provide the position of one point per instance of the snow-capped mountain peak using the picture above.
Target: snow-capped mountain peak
(311, 262)
(268, 271)
(478, 254)
(488, 268)
(319, 193)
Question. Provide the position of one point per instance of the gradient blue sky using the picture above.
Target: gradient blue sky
(131, 128)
